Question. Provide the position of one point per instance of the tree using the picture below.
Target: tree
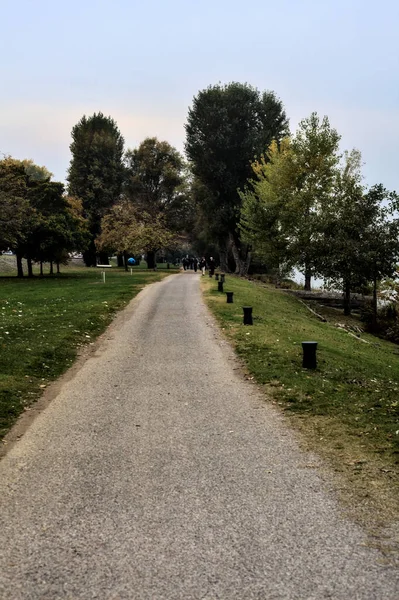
(126, 231)
(293, 182)
(315, 148)
(203, 232)
(156, 186)
(60, 229)
(360, 237)
(343, 224)
(262, 220)
(226, 128)
(15, 212)
(35, 172)
(37, 221)
(381, 253)
(96, 172)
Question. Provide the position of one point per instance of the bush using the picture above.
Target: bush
(387, 320)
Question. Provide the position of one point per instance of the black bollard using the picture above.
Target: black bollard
(309, 355)
(167, 265)
(229, 297)
(220, 286)
(222, 276)
(247, 315)
(217, 276)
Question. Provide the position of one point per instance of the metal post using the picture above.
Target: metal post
(309, 355)
(103, 275)
(229, 297)
(247, 315)
(220, 286)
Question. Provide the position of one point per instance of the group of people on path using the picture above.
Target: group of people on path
(194, 263)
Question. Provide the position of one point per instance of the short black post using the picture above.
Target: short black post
(247, 315)
(229, 297)
(222, 276)
(220, 286)
(167, 265)
(309, 355)
(217, 276)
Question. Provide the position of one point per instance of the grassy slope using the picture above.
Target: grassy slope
(44, 321)
(348, 407)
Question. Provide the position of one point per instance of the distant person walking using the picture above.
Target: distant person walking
(203, 265)
(195, 263)
(212, 266)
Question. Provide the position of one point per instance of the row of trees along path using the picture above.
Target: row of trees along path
(250, 190)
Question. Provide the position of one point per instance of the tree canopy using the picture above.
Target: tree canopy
(156, 187)
(359, 241)
(227, 126)
(37, 221)
(290, 186)
(96, 171)
(127, 231)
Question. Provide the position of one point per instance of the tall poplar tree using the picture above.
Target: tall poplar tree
(227, 126)
(96, 172)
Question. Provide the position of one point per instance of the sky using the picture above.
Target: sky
(143, 62)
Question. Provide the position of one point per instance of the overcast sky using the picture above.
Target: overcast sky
(142, 62)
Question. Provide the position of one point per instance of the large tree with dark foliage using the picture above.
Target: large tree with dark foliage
(15, 212)
(37, 221)
(96, 172)
(227, 126)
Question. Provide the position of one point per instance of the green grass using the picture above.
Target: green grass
(354, 392)
(43, 321)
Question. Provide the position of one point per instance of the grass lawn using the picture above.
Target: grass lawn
(43, 321)
(348, 408)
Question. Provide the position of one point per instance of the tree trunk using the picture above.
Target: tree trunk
(347, 298)
(30, 268)
(124, 260)
(20, 269)
(41, 268)
(58, 267)
(278, 276)
(51, 268)
(224, 245)
(103, 258)
(242, 257)
(236, 255)
(151, 264)
(375, 306)
(247, 263)
(90, 255)
(224, 265)
(308, 279)
(120, 257)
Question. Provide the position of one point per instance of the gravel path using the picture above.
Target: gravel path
(159, 473)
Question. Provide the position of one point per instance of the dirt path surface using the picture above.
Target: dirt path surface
(159, 473)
